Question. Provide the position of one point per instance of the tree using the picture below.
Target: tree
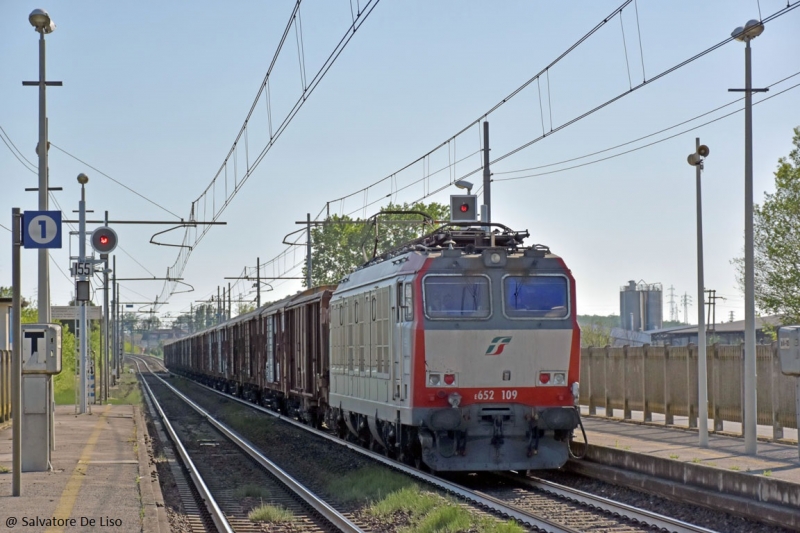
(244, 307)
(340, 246)
(777, 242)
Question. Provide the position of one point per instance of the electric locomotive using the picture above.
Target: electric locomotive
(459, 351)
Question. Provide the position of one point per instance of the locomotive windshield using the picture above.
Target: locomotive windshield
(535, 297)
(457, 297)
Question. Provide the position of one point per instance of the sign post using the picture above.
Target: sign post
(16, 352)
(31, 401)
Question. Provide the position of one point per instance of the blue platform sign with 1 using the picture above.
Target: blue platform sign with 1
(41, 229)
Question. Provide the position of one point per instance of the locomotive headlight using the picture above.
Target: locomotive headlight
(433, 379)
(495, 258)
(559, 378)
(454, 399)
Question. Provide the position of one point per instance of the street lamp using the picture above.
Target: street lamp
(464, 184)
(42, 23)
(750, 31)
(696, 160)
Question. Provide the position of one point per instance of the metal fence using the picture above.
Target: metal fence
(5, 386)
(663, 379)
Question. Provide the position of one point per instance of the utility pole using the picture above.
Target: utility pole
(82, 280)
(686, 300)
(219, 315)
(258, 282)
(230, 309)
(115, 328)
(673, 308)
(308, 252)
(730, 316)
(487, 177)
(106, 351)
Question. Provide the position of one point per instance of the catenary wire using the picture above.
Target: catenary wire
(639, 138)
(648, 144)
(116, 181)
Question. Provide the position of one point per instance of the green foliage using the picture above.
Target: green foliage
(340, 246)
(242, 308)
(271, 513)
(366, 484)
(777, 242)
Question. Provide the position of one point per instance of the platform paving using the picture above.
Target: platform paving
(100, 478)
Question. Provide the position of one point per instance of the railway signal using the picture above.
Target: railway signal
(104, 240)
(463, 208)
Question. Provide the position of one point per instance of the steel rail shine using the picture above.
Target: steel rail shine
(483, 500)
(223, 526)
(664, 523)
(326, 511)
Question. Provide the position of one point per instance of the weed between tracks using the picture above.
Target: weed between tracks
(394, 498)
(271, 513)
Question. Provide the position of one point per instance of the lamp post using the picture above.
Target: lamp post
(750, 31)
(43, 24)
(696, 160)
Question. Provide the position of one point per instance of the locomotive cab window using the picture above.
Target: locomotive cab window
(457, 297)
(535, 297)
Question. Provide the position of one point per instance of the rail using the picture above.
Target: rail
(223, 526)
(312, 500)
(540, 524)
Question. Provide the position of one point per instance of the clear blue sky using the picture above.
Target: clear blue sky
(154, 95)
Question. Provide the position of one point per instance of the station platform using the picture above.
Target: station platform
(768, 480)
(101, 477)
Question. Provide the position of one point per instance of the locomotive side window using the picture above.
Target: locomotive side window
(535, 297)
(457, 297)
(408, 301)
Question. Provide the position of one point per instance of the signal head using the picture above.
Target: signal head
(104, 240)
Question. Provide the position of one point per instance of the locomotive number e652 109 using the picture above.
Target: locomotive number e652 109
(489, 394)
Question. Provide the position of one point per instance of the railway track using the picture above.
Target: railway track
(220, 464)
(537, 504)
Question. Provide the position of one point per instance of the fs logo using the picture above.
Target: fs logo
(497, 345)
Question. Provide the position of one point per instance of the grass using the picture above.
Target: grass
(767, 473)
(673, 456)
(368, 484)
(389, 494)
(735, 467)
(270, 513)
(127, 391)
(695, 460)
(4, 470)
(251, 491)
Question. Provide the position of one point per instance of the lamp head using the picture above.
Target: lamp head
(751, 30)
(464, 184)
(83, 179)
(40, 20)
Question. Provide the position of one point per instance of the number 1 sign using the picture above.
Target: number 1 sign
(41, 229)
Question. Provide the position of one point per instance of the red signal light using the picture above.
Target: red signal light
(104, 239)
(464, 207)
